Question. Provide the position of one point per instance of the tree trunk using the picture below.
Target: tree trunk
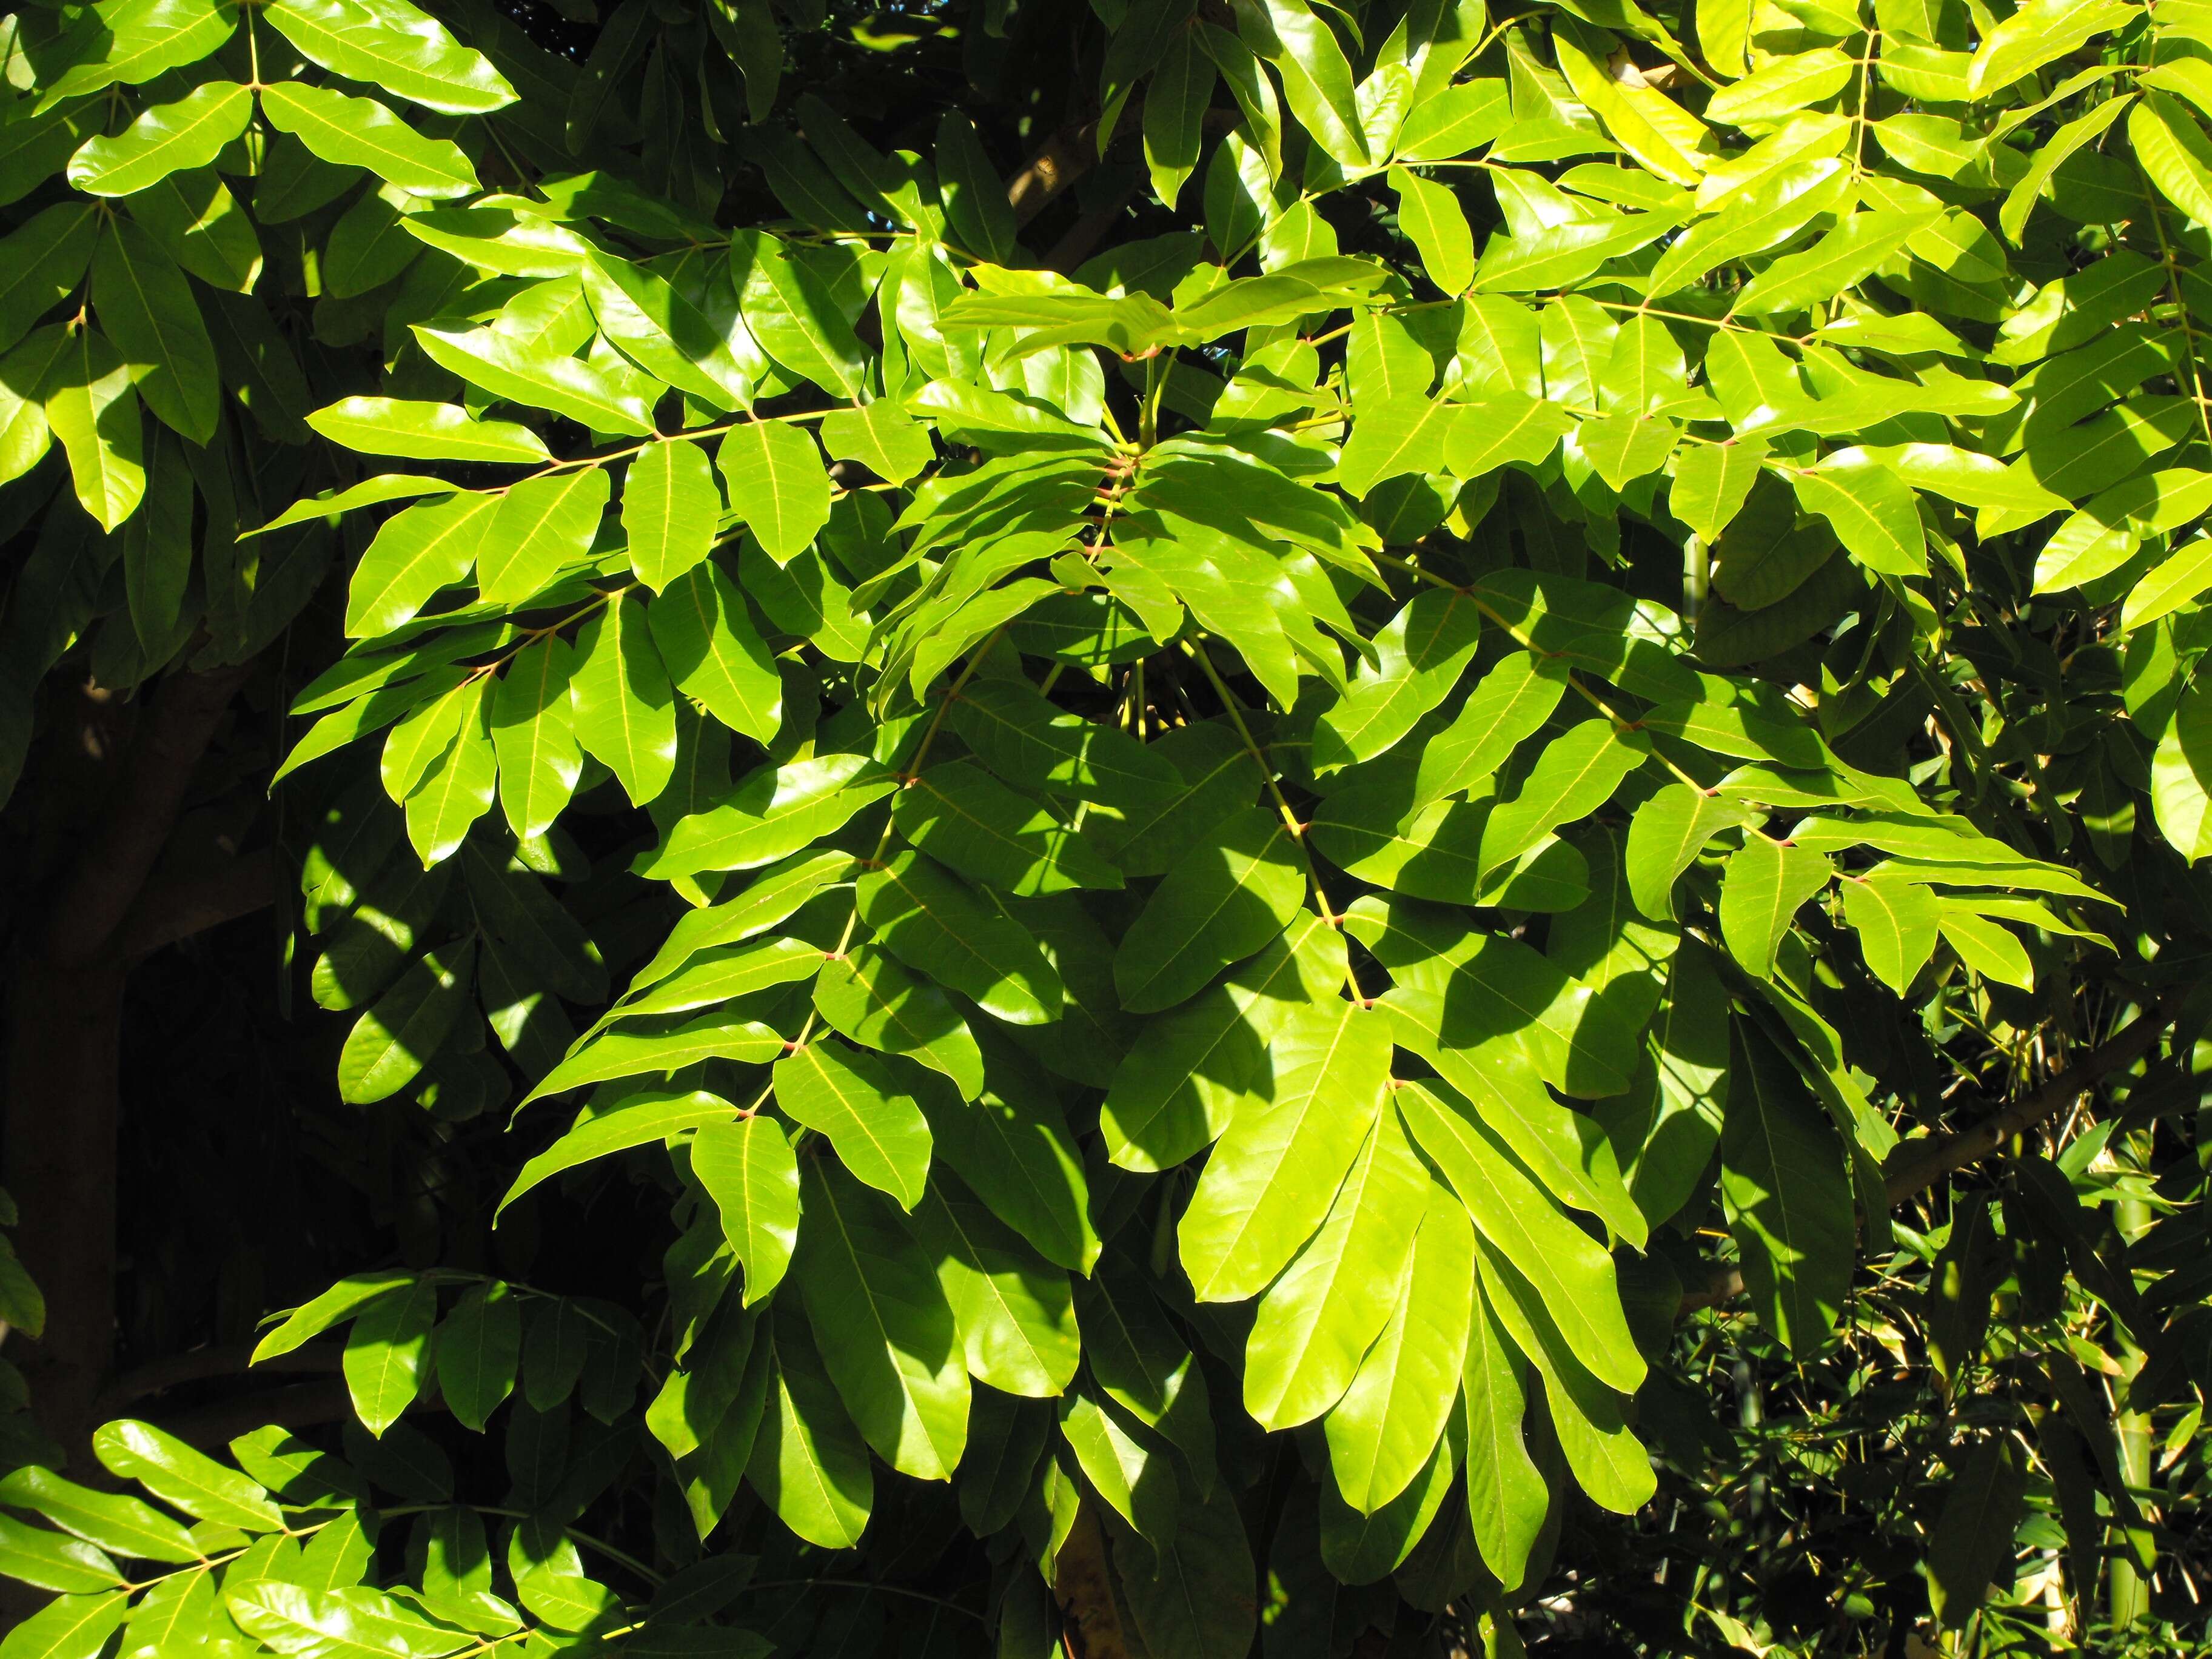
(112, 784)
(60, 1125)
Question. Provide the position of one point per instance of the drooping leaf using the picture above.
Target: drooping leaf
(1269, 1182)
(1788, 1199)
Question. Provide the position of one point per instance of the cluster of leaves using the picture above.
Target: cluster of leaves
(279, 1542)
(1237, 867)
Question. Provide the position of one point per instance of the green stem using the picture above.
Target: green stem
(1155, 379)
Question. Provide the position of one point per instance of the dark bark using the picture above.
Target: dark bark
(113, 785)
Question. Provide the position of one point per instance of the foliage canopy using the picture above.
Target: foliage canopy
(1333, 825)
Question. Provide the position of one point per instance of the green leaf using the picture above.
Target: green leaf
(1896, 922)
(415, 745)
(803, 598)
(1431, 215)
(1014, 1150)
(390, 1044)
(52, 1561)
(333, 1307)
(1175, 107)
(1455, 119)
(542, 527)
(880, 435)
(135, 44)
(794, 316)
(1846, 256)
(40, 262)
(1268, 1184)
(390, 43)
(533, 735)
(2052, 154)
(634, 1120)
(974, 196)
(2181, 776)
(748, 1170)
(665, 332)
(206, 232)
(1193, 1603)
(123, 1524)
(1788, 1196)
(157, 548)
(1429, 852)
(2173, 584)
(2039, 32)
(1142, 1366)
(625, 709)
(932, 922)
(1782, 87)
(1316, 77)
(92, 408)
(1176, 1090)
(1508, 429)
(611, 1055)
(508, 368)
(1219, 778)
(458, 788)
(1625, 446)
(1507, 1498)
(179, 1475)
(2101, 537)
(1511, 702)
(175, 1613)
(479, 1351)
(867, 996)
(1665, 836)
(714, 654)
(165, 139)
(859, 1103)
(886, 1333)
(1657, 131)
(1138, 1481)
(347, 1623)
(1574, 775)
(429, 546)
(809, 1462)
(1015, 1319)
(669, 510)
(714, 977)
(423, 432)
(370, 492)
(772, 813)
(1398, 436)
(1723, 729)
(1873, 511)
(964, 818)
(1973, 1541)
(1461, 994)
(1765, 883)
(1381, 1434)
(1223, 902)
(1420, 652)
(770, 900)
(1035, 745)
(1315, 1323)
(1569, 1269)
(777, 485)
(67, 1627)
(1607, 1460)
(359, 132)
